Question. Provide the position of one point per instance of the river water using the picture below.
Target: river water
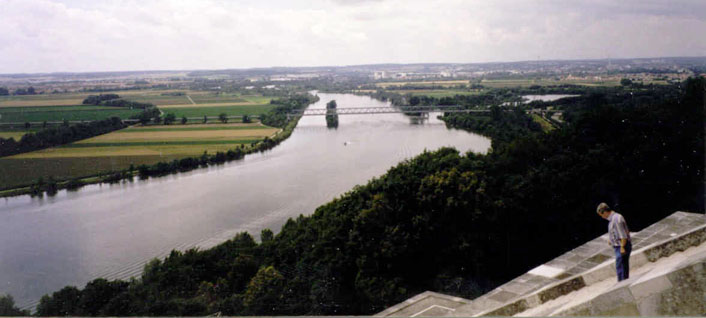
(111, 231)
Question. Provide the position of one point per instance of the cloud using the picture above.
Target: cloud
(40, 35)
(354, 2)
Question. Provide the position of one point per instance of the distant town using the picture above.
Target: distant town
(585, 72)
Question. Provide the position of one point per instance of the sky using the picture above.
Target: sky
(95, 35)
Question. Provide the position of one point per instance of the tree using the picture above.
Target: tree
(98, 293)
(31, 91)
(27, 125)
(62, 303)
(7, 307)
(157, 119)
(145, 118)
(4, 91)
(205, 119)
(331, 115)
(266, 235)
(625, 82)
(223, 117)
(246, 119)
(265, 292)
(184, 120)
(170, 118)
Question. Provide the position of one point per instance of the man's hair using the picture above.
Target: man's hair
(602, 207)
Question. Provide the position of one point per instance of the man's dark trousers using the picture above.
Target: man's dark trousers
(622, 261)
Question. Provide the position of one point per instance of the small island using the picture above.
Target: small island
(331, 115)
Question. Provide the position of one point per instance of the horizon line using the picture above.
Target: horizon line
(349, 65)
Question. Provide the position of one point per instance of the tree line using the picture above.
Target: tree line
(114, 100)
(455, 223)
(20, 91)
(60, 135)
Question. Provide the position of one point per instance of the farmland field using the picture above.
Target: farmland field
(546, 126)
(424, 83)
(16, 133)
(59, 107)
(438, 93)
(23, 171)
(503, 83)
(200, 111)
(157, 97)
(198, 97)
(134, 145)
(42, 100)
(60, 113)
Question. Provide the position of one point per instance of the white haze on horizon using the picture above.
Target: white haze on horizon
(79, 36)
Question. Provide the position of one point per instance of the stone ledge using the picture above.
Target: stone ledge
(650, 253)
(672, 289)
(396, 310)
(676, 232)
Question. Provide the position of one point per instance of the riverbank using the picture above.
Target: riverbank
(51, 186)
(113, 230)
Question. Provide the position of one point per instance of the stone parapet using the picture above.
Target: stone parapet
(668, 246)
(576, 271)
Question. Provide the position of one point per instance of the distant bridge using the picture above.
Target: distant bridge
(386, 110)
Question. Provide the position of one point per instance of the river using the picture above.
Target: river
(111, 231)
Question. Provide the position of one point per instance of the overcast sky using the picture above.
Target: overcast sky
(94, 35)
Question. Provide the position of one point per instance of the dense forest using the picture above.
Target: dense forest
(455, 223)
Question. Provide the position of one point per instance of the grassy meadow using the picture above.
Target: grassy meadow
(449, 83)
(131, 146)
(200, 111)
(42, 100)
(546, 126)
(61, 113)
(438, 93)
(504, 83)
(16, 133)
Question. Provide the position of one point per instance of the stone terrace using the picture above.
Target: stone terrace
(586, 265)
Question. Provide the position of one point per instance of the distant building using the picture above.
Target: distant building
(380, 75)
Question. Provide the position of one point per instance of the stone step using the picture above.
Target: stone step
(604, 271)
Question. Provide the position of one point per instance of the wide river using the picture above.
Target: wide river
(111, 231)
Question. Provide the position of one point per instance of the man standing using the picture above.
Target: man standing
(619, 236)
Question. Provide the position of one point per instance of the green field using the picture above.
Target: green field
(60, 113)
(23, 171)
(438, 93)
(54, 108)
(160, 143)
(546, 126)
(42, 100)
(448, 83)
(60, 107)
(200, 111)
(504, 83)
(157, 97)
(16, 133)
(134, 145)
(194, 128)
(198, 98)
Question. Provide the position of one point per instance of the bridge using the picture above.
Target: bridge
(386, 110)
